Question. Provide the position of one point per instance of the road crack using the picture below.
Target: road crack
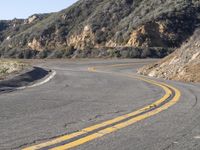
(96, 117)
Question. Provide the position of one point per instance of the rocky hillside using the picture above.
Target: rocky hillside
(183, 64)
(102, 28)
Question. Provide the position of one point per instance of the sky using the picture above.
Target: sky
(10, 9)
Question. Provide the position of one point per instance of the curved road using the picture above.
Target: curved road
(78, 98)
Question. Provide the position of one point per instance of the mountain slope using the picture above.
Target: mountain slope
(144, 28)
(183, 64)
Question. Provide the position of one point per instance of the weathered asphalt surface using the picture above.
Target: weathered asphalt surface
(76, 98)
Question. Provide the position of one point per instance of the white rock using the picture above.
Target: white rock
(152, 73)
(8, 38)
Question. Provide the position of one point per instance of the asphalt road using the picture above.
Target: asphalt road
(77, 98)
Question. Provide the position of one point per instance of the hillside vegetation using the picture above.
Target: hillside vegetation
(102, 28)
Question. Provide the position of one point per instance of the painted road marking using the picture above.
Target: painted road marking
(113, 124)
(39, 83)
(197, 137)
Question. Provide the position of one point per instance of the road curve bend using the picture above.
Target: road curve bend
(102, 105)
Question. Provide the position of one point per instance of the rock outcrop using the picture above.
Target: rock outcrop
(148, 35)
(35, 45)
(82, 40)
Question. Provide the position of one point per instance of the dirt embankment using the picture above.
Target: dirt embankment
(183, 64)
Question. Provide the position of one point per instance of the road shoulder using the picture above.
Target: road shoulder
(27, 78)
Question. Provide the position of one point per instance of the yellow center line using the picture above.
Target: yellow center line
(103, 132)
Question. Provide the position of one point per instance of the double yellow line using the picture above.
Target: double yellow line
(172, 96)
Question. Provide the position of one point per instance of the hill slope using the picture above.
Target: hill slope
(98, 28)
(183, 64)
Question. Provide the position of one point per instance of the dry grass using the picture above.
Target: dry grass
(10, 66)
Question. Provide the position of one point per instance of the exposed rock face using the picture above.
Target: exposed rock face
(111, 43)
(86, 38)
(148, 35)
(35, 45)
(183, 64)
(31, 19)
